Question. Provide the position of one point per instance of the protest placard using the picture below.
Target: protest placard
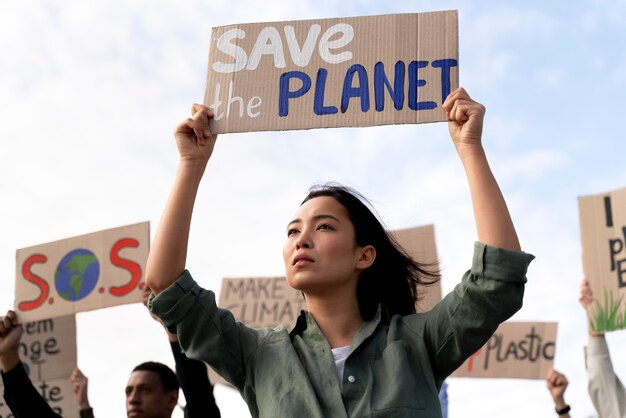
(48, 353)
(358, 71)
(603, 237)
(82, 273)
(522, 350)
(419, 243)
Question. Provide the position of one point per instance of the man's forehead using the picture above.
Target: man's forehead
(144, 378)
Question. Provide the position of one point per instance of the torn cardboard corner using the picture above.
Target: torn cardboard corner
(603, 238)
(341, 72)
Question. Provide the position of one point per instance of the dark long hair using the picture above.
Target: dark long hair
(393, 277)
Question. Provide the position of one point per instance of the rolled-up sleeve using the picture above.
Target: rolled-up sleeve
(489, 294)
(206, 332)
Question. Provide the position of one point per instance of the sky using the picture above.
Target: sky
(90, 93)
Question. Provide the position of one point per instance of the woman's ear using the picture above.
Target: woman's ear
(368, 255)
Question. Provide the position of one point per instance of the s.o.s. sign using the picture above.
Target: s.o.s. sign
(81, 273)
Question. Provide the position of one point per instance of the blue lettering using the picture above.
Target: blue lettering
(414, 84)
(445, 75)
(361, 91)
(284, 94)
(320, 88)
(381, 81)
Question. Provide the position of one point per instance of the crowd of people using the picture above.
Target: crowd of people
(360, 348)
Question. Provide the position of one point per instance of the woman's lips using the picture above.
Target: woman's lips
(301, 259)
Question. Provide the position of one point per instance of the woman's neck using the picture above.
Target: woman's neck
(339, 320)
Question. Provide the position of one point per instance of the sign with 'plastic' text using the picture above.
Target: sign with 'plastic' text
(522, 350)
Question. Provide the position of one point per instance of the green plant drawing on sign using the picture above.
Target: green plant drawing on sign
(607, 317)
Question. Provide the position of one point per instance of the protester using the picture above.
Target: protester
(605, 389)
(151, 392)
(360, 347)
(557, 383)
(192, 376)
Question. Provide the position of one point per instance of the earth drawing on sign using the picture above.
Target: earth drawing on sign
(77, 275)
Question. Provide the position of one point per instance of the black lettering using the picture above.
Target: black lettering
(533, 353)
(234, 286)
(548, 351)
(250, 289)
(494, 343)
(39, 327)
(263, 288)
(50, 347)
(621, 277)
(272, 310)
(614, 250)
(523, 350)
(511, 350)
(608, 211)
(276, 288)
(35, 350)
(286, 311)
(55, 394)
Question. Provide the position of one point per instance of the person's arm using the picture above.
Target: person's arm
(604, 386)
(492, 290)
(557, 383)
(586, 300)
(192, 377)
(168, 252)
(80, 385)
(21, 397)
(493, 222)
(194, 381)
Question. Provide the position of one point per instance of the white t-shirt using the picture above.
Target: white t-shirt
(340, 354)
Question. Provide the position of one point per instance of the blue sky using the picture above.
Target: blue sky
(90, 93)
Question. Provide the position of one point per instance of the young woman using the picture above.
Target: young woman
(360, 349)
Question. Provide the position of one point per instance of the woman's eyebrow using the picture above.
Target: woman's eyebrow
(315, 218)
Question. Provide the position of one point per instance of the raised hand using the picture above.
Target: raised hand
(193, 136)
(465, 118)
(557, 383)
(10, 335)
(79, 386)
(586, 296)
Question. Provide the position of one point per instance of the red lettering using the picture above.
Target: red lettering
(133, 268)
(43, 285)
(470, 363)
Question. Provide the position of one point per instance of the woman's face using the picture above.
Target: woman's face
(321, 253)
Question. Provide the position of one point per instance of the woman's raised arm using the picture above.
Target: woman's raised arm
(168, 253)
(493, 222)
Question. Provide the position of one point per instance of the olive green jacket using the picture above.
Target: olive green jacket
(395, 366)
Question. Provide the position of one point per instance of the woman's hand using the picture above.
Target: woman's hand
(465, 118)
(193, 137)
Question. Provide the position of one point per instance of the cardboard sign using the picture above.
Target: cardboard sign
(522, 350)
(48, 352)
(419, 243)
(603, 236)
(82, 273)
(359, 71)
(262, 302)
